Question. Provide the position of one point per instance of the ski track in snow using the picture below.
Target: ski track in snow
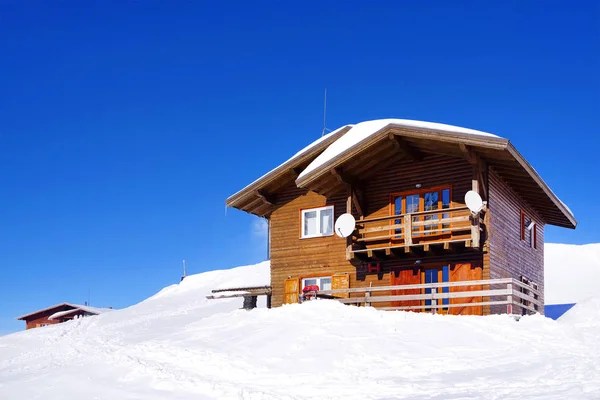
(178, 345)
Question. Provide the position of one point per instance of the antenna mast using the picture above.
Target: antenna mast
(184, 271)
(324, 115)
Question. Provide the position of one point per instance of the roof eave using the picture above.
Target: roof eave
(570, 218)
(448, 136)
(22, 317)
(276, 173)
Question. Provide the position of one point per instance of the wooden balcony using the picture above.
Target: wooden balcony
(422, 231)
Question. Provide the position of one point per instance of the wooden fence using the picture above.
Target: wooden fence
(515, 295)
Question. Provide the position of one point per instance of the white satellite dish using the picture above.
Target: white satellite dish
(345, 224)
(473, 201)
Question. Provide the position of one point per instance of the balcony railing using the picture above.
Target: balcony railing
(423, 228)
(518, 297)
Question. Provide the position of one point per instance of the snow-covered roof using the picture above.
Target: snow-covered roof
(78, 308)
(74, 307)
(301, 156)
(364, 130)
(352, 141)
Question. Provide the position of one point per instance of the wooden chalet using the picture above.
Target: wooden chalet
(416, 245)
(59, 313)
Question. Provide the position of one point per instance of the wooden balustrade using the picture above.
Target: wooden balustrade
(515, 295)
(450, 225)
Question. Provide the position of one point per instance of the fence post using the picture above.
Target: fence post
(433, 292)
(509, 298)
(408, 230)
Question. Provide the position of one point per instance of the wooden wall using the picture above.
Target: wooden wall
(510, 257)
(432, 171)
(42, 318)
(294, 257)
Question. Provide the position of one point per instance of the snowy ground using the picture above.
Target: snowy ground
(572, 272)
(177, 345)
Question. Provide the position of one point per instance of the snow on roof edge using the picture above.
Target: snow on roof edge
(520, 158)
(289, 160)
(95, 310)
(366, 129)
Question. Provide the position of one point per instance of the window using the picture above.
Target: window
(423, 200)
(528, 231)
(317, 222)
(323, 282)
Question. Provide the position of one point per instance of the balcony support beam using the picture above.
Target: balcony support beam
(406, 149)
(267, 198)
(358, 200)
(344, 177)
(349, 210)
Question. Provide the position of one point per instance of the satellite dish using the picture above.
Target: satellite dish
(473, 201)
(345, 224)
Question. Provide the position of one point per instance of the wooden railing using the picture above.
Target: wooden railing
(515, 295)
(419, 228)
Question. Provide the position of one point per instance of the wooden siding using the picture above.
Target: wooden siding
(403, 176)
(42, 317)
(295, 258)
(510, 257)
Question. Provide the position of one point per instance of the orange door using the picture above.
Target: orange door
(406, 276)
(466, 272)
(291, 289)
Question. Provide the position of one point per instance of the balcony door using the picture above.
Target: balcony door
(436, 274)
(419, 201)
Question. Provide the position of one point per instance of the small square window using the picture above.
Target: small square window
(317, 222)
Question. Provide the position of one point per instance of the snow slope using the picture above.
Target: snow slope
(571, 272)
(178, 345)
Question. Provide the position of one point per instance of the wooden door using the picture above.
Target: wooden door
(466, 272)
(436, 274)
(405, 276)
(291, 290)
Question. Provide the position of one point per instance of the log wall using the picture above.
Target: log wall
(511, 257)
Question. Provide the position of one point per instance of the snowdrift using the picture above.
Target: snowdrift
(178, 345)
(571, 272)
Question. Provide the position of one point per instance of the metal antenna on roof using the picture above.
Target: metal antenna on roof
(325, 115)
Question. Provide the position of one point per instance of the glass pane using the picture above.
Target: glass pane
(325, 284)
(446, 204)
(446, 198)
(310, 223)
(398, 211)
(446, 278)
(430, 201)
(327, 221)
(412, 203)
(308, 282)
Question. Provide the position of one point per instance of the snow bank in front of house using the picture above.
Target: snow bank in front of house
(571, 272)
(178, 345)
(363, 130)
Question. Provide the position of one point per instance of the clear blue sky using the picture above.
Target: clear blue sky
(125, 125)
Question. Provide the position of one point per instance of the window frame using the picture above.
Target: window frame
(318, 278)
(303, 211)
(421, 191)
(532, 234)
(532, 228)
